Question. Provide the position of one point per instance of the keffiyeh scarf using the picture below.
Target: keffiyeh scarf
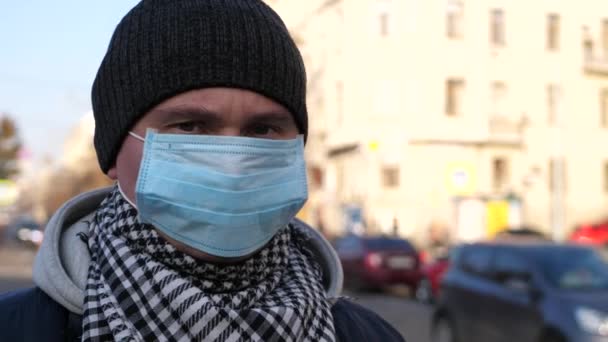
(140, 288)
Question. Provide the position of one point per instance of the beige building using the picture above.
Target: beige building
(438, 111)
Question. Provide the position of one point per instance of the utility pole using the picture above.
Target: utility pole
(557, 199)
(557, 171)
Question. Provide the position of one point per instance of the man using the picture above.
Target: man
(201, 119)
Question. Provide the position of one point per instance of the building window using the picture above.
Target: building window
(497, 27)
(500, 173)
(383, 24)
(316, 177)
(454, 19)
(557, 175)
(553, 32)
(390, 176)
(499, 98)
(605, 176)
(454, 97)
(587, 44)
(384, 17)
(554, 94)
(605, 37)
(604, 107)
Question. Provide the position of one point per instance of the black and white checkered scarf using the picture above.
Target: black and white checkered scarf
(140, 288)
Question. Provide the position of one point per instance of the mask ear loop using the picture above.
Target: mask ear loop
(134, 135)
(125, 196)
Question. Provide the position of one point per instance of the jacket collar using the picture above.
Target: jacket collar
(61, 266)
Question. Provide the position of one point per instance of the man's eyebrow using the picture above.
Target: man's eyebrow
(201, 113)
(276, 117)
(182, 113)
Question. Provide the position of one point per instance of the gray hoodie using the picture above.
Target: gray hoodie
(62, 264)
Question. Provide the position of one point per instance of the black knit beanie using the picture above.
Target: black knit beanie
(162, 48)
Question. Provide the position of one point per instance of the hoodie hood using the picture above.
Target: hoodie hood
(62, 264)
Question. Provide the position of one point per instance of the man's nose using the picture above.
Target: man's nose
(231, 131)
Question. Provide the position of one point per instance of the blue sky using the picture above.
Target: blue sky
(49, 54)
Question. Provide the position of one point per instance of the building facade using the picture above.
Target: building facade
(471, 114)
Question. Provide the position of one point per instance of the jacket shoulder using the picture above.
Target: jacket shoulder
(354, 322)
(31, 315)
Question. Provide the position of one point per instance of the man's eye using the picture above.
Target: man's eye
(187, 126)
(261, 130)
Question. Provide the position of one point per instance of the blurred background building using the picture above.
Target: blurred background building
(464, 114)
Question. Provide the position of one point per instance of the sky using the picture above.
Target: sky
(49, 55)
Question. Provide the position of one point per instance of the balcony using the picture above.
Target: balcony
(596, 66)
(507, 130)
(595, 61)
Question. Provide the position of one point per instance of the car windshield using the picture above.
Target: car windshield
(575, 269)
(377, 244)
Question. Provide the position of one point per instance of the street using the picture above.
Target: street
(412, 319)
(409, 317)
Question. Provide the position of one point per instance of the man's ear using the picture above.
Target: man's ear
(112, 173)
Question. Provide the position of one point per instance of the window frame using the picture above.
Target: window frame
(391, 176)
(499, 182)
(465, 253)
(498, 32)
(454, 20)
(512, 279)
(604, 107)
(553, 32)
(455, 88)
(605, 175)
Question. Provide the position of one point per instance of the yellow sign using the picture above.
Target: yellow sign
(8, 192)
(497, 214)
(374, 145)
(461, 178)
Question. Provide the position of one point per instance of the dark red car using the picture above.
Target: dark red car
(375, 262)
(595, 235)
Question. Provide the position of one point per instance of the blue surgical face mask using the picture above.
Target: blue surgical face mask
(222, 195)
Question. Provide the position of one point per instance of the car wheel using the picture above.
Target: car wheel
(424, 292)
(443, 331)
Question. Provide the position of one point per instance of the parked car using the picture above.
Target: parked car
(596, 235)
(25, 231)
(536, 292)
(428, 288)
(520, 233)
(375, 262)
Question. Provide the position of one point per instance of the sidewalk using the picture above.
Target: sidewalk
(16, 261)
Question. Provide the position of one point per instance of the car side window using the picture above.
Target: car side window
(476, 260)
(348, 245)
(511, 270)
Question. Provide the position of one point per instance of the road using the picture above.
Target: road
(412, 319)
(407, 316)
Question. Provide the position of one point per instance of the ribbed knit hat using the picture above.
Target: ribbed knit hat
(162, 48)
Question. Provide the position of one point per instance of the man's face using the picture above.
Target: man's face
(210, 111)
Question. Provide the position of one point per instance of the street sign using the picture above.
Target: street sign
(461, 178)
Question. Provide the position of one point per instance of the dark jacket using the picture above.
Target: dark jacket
(52, 311)
(30, 315)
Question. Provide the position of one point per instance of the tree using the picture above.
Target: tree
(76, 172)
(9, 147)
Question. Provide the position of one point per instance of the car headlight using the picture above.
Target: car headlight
(592, 321)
